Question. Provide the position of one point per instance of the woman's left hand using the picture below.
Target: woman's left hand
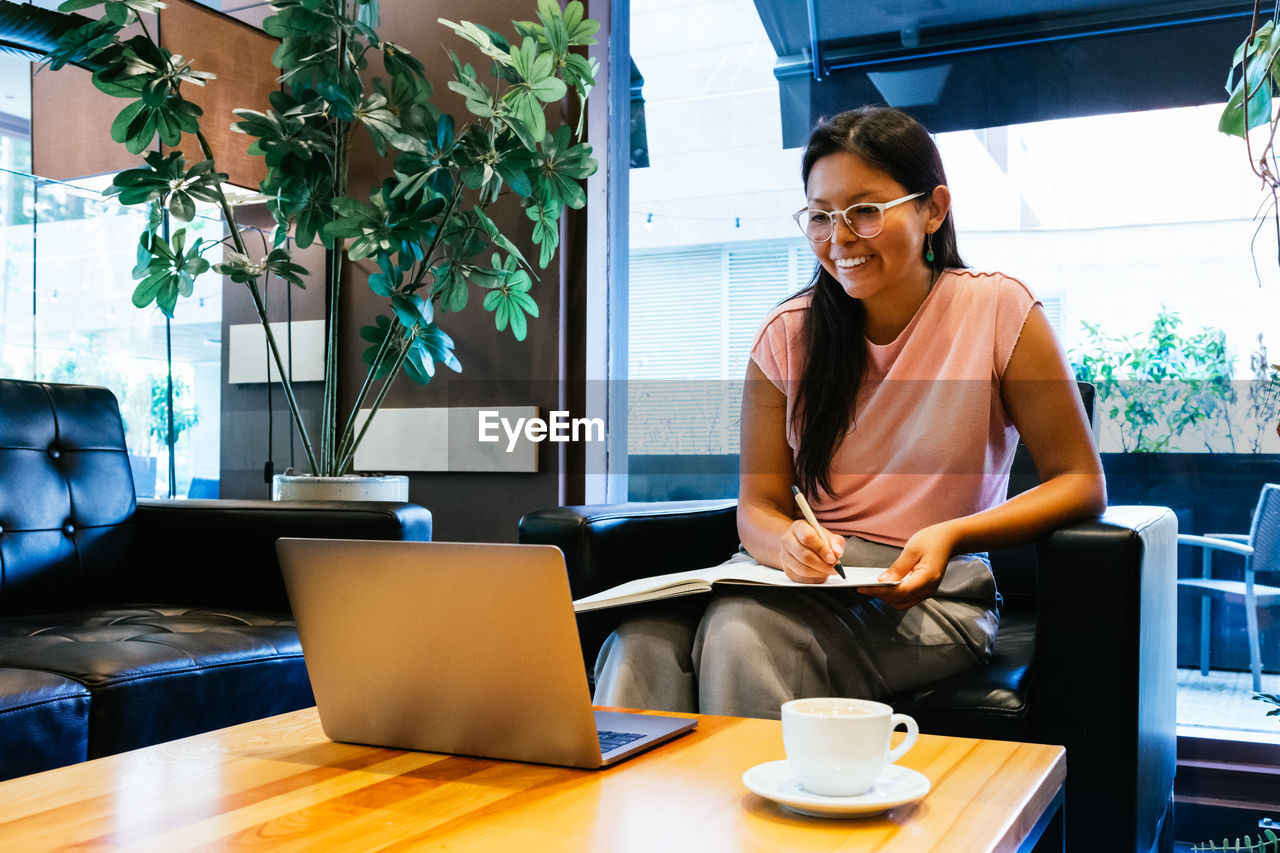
(919, 568)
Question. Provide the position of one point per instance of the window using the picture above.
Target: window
(66, 314)
(1114, 220)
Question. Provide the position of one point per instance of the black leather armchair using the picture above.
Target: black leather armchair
(124, 624)
(1084, 656)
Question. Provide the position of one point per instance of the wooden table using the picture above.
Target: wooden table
(279, 784)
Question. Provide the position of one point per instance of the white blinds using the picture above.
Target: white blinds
(693, 313)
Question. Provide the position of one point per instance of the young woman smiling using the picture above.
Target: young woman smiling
(892, 392)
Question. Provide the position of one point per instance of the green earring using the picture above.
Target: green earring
(928, 247)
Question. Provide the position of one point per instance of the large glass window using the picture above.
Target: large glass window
(1139, 232)
(66, 256)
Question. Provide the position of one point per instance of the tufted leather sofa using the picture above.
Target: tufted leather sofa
(1085, 655)
(126, 623)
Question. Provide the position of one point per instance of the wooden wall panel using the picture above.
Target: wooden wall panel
(241, 57)
(71, 126)
(71, 120)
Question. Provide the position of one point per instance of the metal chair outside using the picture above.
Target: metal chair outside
(1260, 549)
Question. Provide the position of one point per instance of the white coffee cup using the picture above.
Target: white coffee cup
(838, 747)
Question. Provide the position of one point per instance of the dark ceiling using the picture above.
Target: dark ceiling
(980, 63)
(886, 24)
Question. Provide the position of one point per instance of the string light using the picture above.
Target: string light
(736, 220)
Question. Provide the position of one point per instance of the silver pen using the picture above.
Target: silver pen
(813, 522)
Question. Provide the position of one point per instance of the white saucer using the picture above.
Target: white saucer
(895, 787)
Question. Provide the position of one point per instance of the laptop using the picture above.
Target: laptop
(459, 648)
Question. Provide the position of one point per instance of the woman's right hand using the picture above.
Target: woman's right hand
(808, 557)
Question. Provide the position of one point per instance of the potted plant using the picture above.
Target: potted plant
(425, 227)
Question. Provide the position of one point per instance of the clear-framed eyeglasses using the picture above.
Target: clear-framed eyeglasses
(866, 219)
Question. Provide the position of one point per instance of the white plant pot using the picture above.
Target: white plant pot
(304, 487)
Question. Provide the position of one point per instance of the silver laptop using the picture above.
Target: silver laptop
(460, 648)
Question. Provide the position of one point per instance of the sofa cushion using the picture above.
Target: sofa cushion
(991, 702)
(44, 721)
(158, 673)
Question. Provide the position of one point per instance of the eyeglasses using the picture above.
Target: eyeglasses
(866, 219)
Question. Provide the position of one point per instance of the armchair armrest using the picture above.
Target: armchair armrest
(1105, 656)
(222, 552)
(1216, 543)
(608, 544)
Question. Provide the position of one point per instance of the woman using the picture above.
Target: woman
(891, 391)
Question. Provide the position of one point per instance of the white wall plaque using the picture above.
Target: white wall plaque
(248, 357)
(448, 439)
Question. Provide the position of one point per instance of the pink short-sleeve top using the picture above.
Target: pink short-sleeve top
(931, 440)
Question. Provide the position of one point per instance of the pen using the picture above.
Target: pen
(813, 522)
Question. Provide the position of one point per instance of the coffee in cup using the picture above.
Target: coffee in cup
(838, 747)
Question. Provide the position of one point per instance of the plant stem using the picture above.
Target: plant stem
(349, 455)
(348, 428)
(286, 381)
(444, 223)
(333, 275)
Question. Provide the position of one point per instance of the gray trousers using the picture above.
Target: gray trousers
(743, 651)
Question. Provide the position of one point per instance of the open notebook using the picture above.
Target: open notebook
(702, 580)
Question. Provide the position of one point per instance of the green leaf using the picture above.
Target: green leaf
(120, 127)
(479, 99)
(84, 41)
(291, 21)
(548, 89)
(399, 62)
(450, 286)
(418, 364)
(170, 273)
(376, 334)
(522, 105)
(554, 32)
(510, 301)
(373, 334)
(580, 28)
(480, 38)
(413, 310)
(580, 72)
(282, 137)
(444, 132)
(141, 131)
(546, 231)
(166, 177)
(440, 345)
(384, 284)
(182, 206)
(560, 167)
(1261, 53)
(380, 122)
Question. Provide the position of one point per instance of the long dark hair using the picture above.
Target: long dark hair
(898, 145)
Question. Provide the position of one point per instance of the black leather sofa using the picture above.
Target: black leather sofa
(127, 623)
(1085, 655)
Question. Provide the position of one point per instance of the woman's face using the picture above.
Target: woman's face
(867, 267)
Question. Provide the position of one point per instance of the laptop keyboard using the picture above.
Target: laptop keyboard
(610, 741)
